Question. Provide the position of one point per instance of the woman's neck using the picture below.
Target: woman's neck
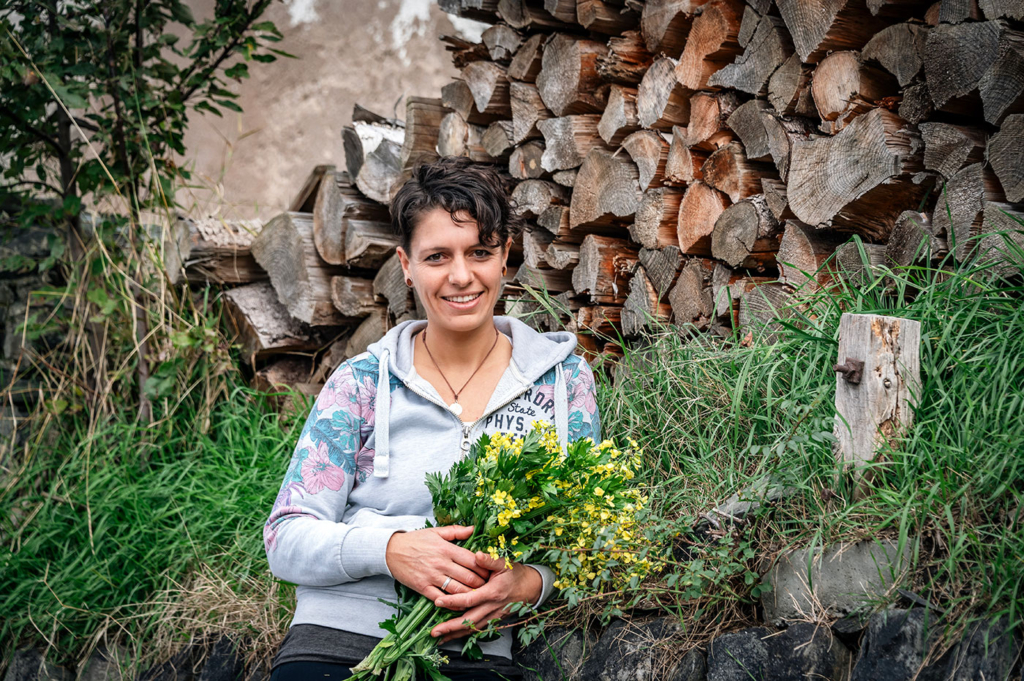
(454, 349)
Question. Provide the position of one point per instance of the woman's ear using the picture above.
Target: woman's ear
(404, 259)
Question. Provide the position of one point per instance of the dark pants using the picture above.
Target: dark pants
(306, 671)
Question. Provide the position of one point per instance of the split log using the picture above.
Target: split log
(285, 249)
(746, 234)
(533, 197)
(958, 57)
(381, 171)
(566, 178)
(529, 14)
(914, 239)
(692, 298)
(656, 222)
(859, 263)
(555, 219)
(605, 17)
(858, 180)
(497, 139)
(456, 137)
(1005, 152)
(713, 43)
(684, 164)
(525, 65)
(903, 8)
(958, 11)
(761, 307)
(306, 196)
(822, 26)
(700, 209)
(527, 161)
(603, 320)
(489, 85)
(535, 247)
(665, 24)
(845, 87)
(649, 152)
(642, 308)
(478, 10)
(748, 124)
(789, 88)
(353, 296)
(288, 374)
(604, 267)
(997, 9)
(211, 250)
(422, 124)
(748, 25)
(948, 147)
(782, 134)
(662, 267)
(769, 48)
(568, 140)
(337, 202)
(729, 171)
(371, 330)
(709, 112)
(457, 96)
(970, 203)
(369, 244)
(607, 187)
(619, 118)
(627, 60)
(551, 280)
(776, 196)
(390, 285)
(563, 10)
(568, 81)
(264, 327)
(1002, 222)
(563, 256)
(661, 101)
(727, 289)
(1002, 86)
(803, 254)
(917, 104)
(501, 42)
(527, 109)
(463, 51)
(899, 50)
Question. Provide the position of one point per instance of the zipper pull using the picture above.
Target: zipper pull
(465, 437)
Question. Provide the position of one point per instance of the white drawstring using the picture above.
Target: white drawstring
(381, 455)
(561, 408)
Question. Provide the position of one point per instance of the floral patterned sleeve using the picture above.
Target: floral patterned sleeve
(584, 420)
(304, 534)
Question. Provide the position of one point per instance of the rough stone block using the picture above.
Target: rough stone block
(29, 665)
(558, 653)
(987, 651)
(739, 656)
(105, 664)
(807, 651)
(185, 665)
(692, 667)
(895, 647)
(629, 651)
(840, 580)
(223, 664)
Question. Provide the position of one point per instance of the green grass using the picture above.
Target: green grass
(714, 417)
(98, 533)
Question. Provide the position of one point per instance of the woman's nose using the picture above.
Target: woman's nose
(460, 274)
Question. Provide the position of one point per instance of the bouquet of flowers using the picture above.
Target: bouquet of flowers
(574, 511)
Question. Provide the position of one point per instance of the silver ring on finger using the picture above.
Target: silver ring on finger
(445, 585)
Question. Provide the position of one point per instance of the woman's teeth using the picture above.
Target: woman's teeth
(462, 299)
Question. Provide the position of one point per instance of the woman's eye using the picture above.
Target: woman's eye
(433, 257)
(482, 253)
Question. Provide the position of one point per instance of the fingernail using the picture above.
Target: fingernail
(439, 602)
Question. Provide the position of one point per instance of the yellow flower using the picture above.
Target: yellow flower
(598, 491)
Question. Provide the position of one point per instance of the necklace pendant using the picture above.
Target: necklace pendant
(456, 408)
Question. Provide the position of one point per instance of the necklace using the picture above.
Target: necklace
(455, 407)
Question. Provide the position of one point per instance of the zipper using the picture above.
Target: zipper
(467, 428)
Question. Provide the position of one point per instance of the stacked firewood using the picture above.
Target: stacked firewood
(701, 162)
(697, 162)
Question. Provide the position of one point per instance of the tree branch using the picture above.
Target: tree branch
(35, 132)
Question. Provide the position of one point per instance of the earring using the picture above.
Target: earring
(408, 282)
(504, 269)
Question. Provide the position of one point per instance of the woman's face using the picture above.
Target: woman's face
(457, 277)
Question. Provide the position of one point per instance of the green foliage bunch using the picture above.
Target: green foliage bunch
(95, 94)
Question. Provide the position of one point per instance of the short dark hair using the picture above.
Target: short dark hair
(457, 185)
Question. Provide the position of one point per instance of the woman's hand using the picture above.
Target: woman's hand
(519, 584)
(424, 559)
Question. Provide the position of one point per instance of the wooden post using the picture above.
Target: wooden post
(878, 378)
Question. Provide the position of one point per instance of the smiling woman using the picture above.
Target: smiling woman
(350, 517)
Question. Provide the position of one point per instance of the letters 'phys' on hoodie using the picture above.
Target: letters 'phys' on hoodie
(359, 468)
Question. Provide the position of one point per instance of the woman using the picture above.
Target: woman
(350, 517)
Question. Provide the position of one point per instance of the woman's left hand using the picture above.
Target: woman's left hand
(519, 584)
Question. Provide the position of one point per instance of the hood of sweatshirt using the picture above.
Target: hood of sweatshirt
(533, 354)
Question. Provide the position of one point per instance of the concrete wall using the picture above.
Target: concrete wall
(369, 51)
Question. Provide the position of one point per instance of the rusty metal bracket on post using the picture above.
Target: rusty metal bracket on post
(851, 371)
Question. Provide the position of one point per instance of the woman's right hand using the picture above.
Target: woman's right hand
(424, 559)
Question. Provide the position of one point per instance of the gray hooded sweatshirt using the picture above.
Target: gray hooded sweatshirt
(359, 469)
